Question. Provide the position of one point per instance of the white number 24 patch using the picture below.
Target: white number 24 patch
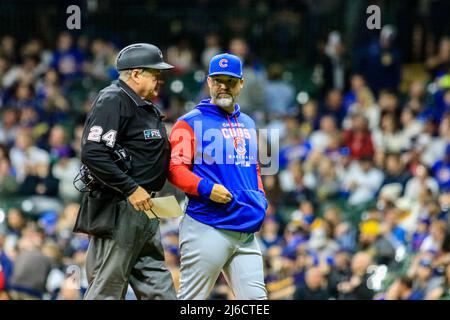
(95, 134)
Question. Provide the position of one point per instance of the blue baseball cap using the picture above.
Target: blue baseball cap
(226, 64)
(426, 263)
(344, 151)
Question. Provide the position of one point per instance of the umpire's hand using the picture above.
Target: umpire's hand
(220, 194)
(140, 200)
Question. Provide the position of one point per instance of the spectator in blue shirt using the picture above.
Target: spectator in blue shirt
(67, 59)
(280, 94)
(402, 289)
(380, 62)
(441, 171)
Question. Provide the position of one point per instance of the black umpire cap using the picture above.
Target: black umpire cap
(141, 55)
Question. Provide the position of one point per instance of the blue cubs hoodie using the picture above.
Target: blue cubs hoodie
(211, 146)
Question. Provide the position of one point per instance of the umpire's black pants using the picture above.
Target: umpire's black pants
(134, 255)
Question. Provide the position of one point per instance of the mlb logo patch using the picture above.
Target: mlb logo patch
(151, 134)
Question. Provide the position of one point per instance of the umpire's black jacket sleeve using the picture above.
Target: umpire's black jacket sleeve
(101, 130)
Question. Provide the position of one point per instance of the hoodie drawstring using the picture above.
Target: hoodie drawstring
(231, 127)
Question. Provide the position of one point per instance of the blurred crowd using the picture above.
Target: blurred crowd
(359, 208)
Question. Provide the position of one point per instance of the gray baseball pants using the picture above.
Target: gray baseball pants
(206, 251)
(134, 255)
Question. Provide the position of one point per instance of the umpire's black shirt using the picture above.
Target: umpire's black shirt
(119, 115)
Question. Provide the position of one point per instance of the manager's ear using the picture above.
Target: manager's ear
(241, 83)
(209, 80)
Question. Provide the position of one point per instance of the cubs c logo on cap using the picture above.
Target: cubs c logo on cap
(223, 63)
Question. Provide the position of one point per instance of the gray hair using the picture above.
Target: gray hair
(124, 75)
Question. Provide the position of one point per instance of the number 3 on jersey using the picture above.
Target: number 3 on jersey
(95, 134)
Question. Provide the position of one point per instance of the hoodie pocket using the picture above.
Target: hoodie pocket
(248, 202)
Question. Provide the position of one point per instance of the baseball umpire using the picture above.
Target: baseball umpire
(125, 245)
(214, 161)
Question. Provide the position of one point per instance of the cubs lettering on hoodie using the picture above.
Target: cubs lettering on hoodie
(211, 146)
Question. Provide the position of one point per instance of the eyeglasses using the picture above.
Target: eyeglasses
(228, 82)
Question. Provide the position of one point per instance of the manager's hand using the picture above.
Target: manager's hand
(220, 194)
(140, 200)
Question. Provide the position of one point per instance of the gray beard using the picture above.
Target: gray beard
(224, 102)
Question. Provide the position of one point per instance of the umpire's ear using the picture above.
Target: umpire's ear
(135, 73)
